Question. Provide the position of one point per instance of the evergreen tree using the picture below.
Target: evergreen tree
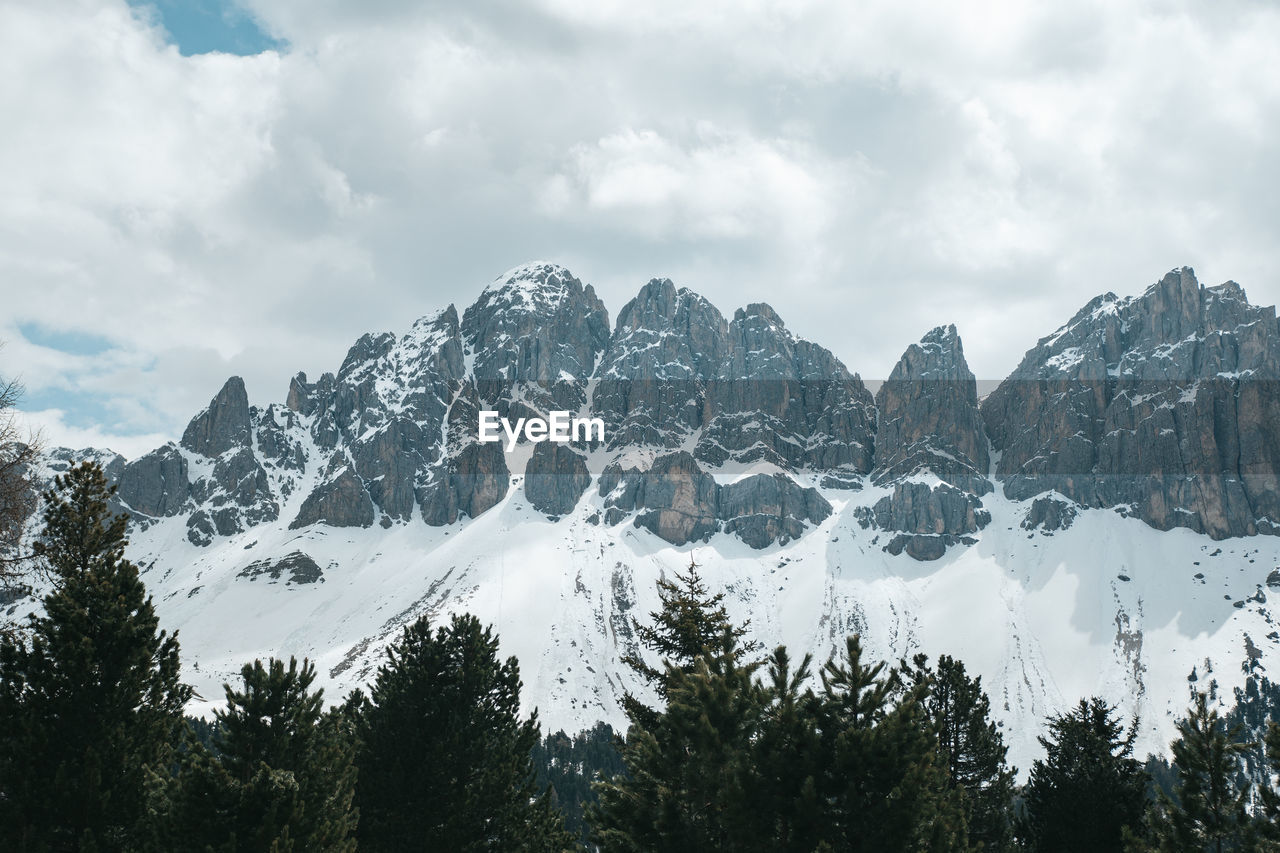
(972, 748)
(1208, 809)
(685, 763)
(568, 767)
(1268, 824)
(445, 762)
(1257, 705)
(884, 780)
(279, 773)
(689, 621)
(783, 809)
(92, 700)
(1088, 789)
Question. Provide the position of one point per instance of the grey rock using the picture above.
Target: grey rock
(915, 507)
(200, 528)
(1166, 404)
(784, 400)
(555, 478)
(653, 375)
(340, 501)
(1049, 514)
(469, 483)
(299, 566)
(929, 417)
(538, 327)
(155, 484)
(389, 461)
(679, 502)
(925, 547)
(764, 509)
(223, 424)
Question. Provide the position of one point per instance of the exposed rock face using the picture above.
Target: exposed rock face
(921, 509)
(155, 484)
(1049, 514)
(340, 501)
(237, 493)
(537, 326)
(674, 365)
(922, 547)
(930, 427)
(764, 509)
(929, 417)
(474, 481)
(1165, 404)
(223, 425)
(555, 478)
(653, 375)
(300, 567)
(679, 502)
(785, 400)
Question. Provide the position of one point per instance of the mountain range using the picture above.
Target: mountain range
(1103, 522)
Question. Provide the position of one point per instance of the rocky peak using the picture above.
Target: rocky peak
(1163, 405)
(688, 330)
(536, 324)
(929, 418)
(665, 345)
(930, 427)
(223, 424)
(784, 400)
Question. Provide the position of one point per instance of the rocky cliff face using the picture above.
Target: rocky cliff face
(1164, 405)
(931, 449)
(679, 502)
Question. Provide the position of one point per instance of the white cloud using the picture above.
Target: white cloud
(54, 431)
(871, 169)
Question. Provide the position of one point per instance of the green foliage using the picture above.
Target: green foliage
(972, 749)
(1088, 789)
(569, 765)
(1207, 811)
(736, 762)
(686, 767)
(91, 703)
(445, 761)
(886, 775)
(278, 775)
(690, 621)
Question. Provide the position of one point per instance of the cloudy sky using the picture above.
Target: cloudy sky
(194, 189)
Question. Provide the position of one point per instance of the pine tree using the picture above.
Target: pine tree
(568, 767)
(1208, 809)
(444, 760)
(690, 621)
(686, 762)
(884, 779)
(1268, 824)
(1088, 789)
(972, 748)
(279, 774)
(782, 808)
(92, 702)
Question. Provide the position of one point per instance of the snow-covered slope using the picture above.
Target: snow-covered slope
(322, 526)
(1109, 606)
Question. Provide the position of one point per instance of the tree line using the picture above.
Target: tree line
(732, 747)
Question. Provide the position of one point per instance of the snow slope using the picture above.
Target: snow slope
(1109, 606)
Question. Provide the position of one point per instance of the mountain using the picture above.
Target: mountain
(1094, 525)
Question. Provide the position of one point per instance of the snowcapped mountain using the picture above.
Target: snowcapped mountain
(1091, 527)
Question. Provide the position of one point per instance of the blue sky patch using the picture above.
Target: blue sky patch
(208, 26)
(74, 343)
